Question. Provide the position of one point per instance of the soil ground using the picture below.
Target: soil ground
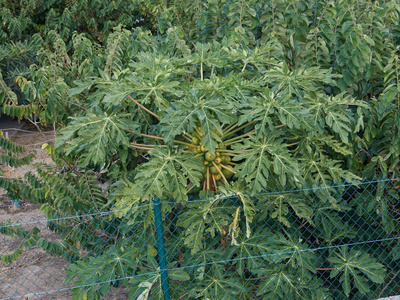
(36, 274)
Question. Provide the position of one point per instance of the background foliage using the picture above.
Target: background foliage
(27, 25)
(238, 97)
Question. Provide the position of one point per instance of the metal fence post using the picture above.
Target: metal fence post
(162, 262)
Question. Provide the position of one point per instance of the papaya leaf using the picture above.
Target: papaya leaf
(285, 283)
(356, 267)
(259, 156)
(165, 175)
(194, 110)
(218, 283)
(88, 134)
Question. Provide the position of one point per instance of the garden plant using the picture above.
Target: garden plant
(227, 102)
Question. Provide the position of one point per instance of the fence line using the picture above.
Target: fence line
(227, 248)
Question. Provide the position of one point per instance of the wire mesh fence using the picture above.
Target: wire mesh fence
(336, 242)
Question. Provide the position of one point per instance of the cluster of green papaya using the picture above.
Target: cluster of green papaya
(218, 167)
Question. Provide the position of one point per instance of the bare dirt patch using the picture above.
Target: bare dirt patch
(36, 274)
(33, 140)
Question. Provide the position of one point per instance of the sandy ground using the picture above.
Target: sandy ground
(36, 274)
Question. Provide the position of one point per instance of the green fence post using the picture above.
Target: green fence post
(162, 262)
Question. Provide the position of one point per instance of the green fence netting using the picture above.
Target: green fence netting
(336, 242)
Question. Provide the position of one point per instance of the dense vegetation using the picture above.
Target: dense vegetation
(238, 97)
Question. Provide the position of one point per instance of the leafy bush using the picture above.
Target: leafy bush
(23, 25)
(231, 97)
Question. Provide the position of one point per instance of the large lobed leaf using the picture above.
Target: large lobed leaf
(165, 175)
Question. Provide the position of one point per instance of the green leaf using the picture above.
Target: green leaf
(147, 282)
(81, 86)
(96, 274)
(299, 81)
(346, 27)
(204, 218)
(277, 206)
(165, 175)
(259, 155)
(87, 135)
(248, 250)
(7, 96)
(194, 110)
(238, 191)
(217, 283)
(285, 283)
(395, 252)
(359, 266)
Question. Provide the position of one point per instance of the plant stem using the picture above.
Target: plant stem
(146, 145)
(187, 138)
(228, 151)
(234, 142)
(152, 136)
(153, 146)
(165, 105)
(131, 131)
(237, 129)
(227, 142)
(160, 138)
(189, 135)
(144, 108)
(231, 153)
(230, 127)
(81, 107)
(193, 186)
(293, 144)
(215, 183)
(228, 168)
(244, 67)
(208, 178)
(142, 148)
(228, 131)
(220, 172)
(187, 144)
(198, 132)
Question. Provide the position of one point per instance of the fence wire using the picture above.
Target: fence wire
(336, 242)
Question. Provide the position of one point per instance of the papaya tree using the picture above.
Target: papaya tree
(222, 110)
